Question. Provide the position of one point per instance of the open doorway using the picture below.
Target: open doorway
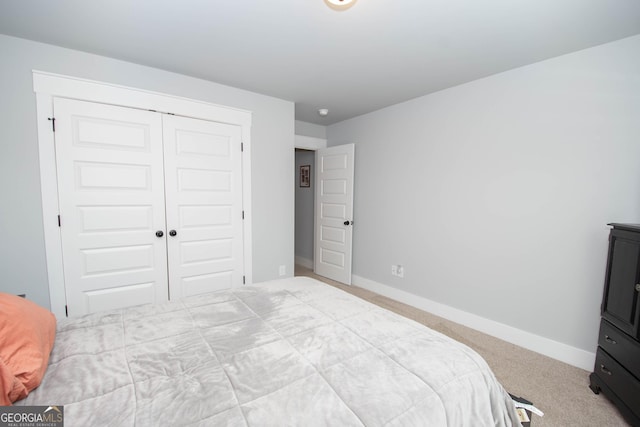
(305, 163)
(304, 201)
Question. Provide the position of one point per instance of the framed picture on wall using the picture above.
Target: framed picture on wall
(305, 176)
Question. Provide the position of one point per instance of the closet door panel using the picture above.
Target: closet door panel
(111, 201)
(203, 184)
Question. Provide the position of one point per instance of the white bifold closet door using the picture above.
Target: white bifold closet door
(150, 205)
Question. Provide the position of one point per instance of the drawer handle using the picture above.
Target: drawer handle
(608, 339)
(604, 369)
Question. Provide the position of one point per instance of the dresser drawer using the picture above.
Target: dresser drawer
(619, 380)
(620, 346)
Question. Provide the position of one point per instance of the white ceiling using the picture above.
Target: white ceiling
(375, 54)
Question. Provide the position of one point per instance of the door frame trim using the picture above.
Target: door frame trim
(312, 144)
(49, 85)
(309, 142)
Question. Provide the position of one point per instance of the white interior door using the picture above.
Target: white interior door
(111, 201)
(203, 184)
(334, 212)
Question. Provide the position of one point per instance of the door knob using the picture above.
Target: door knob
(638, 287)
(348, 222)
(159, 233)
(173, 233)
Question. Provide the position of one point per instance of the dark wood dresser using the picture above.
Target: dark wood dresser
(617, 368)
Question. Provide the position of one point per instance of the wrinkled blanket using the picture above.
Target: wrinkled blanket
(292, 352)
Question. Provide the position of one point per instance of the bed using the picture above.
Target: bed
(292, 352)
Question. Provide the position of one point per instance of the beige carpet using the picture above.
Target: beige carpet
(561, 391)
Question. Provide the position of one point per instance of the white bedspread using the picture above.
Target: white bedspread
(292, 352)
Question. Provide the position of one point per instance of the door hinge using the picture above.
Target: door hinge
(53, 123)
(242, 214)
(66, 311)
(242, 146)
(244, 280)
(59, 221)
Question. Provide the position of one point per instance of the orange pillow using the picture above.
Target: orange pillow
(27, 332)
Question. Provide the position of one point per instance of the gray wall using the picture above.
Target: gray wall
(495, 195)
(22, 255)
(304, 206)
(310, 129)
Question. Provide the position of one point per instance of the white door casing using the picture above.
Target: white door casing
(334, 212)
(203, 186)
(110, 180)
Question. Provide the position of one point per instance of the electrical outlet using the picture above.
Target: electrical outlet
(282, 270)
(397, 270)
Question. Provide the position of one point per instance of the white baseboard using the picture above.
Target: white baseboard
(305, 262)
(554, 349)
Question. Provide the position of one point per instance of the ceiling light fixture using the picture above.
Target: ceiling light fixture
(323, 112)
(340, 4)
